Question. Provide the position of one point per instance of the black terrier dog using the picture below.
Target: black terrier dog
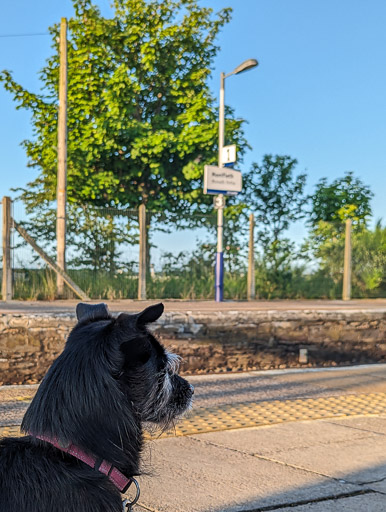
(85, 424)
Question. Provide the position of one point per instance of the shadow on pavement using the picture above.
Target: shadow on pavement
(354, 492)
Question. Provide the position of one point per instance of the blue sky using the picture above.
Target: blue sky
(318, 95)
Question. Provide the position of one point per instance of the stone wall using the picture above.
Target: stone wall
(306, 326)
(29, 343)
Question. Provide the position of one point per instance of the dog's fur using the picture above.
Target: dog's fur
(111, 378)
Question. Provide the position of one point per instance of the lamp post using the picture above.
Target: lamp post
(219, 266)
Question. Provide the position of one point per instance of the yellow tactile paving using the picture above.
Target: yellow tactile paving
(26, 398)
(243, 415)
(256, 414)
(13, 431)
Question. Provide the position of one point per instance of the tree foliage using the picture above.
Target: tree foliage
(141, 118)
(276, 196)
(332, 204)
(99, 238)
(346, 197)
(369, 260)
(327, 242)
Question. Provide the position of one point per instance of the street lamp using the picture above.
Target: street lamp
(219, 267)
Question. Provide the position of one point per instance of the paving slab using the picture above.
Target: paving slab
(364, 503)
(188, 475)
(376, 425)
(329, 449)
(287, 384)
(11, 413)
(272, 441)
(379, 486)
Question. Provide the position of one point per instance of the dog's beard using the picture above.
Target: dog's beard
(171, 399)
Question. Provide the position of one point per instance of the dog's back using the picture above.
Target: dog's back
(112, 376)
(34, 479)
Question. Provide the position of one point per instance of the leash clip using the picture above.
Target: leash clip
(127, 505)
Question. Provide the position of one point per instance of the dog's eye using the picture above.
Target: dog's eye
(171, 372)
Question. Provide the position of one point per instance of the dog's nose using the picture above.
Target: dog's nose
(191, 389)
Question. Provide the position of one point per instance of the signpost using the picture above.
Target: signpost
(222, 180)
(226, 158)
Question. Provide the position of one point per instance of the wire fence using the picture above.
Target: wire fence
(102, 254)
(103, 258)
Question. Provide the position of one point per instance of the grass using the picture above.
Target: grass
(31, 284)
(40, 284)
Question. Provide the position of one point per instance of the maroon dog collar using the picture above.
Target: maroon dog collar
(121, 482)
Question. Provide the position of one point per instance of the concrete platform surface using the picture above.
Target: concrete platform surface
(365, 503)
(68, 306)
(312, 466)
(335, 461)
(334, 464)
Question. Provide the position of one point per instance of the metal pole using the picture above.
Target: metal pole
(61, 192)
(142, 253)
(219, 266)
(347, 263)
(251, 259)
(6, 290)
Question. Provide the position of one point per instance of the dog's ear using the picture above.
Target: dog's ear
(150, 314)
(92, 311)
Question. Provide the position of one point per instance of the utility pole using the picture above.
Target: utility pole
(6, 289)
(61, 192)
(142, 253)
(347, 263)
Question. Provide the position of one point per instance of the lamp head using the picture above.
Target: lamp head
(244, 66)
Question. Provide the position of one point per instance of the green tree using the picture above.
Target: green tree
(369, 261)
(346, 197)
(331, 205)
(326, 243)
(94, 236)
(98, 237)
(276, 196)
(141, 119)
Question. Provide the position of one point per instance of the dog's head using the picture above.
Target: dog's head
(112, 376)
(145, 371)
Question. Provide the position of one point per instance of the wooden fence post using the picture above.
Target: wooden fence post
(62, 160)
(142, 253)
(346, 295)
(6, 289)
(251, 259)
